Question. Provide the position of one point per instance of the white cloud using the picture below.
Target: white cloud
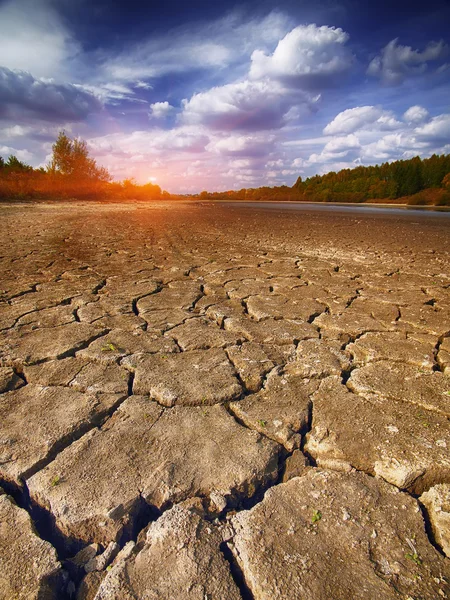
(362, 117)
(276, 92)
(307, 56)
(342, 144)
(437, 130)
(24, 155)
(14, 131)
(160, 110)
(244, 105)
(416, 114)
(392, 146)
(142, 85)
(374, 143)
(299, 163)
(345, 147)
(398, 62)
(151, 142)
(33, 38)
(112, 93)
(243, 145)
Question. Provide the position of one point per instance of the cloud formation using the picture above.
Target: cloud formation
(33, 38)
(436, 130)
(308, 56)
(397, 62)
(416, 114)
(250, 146)
(362, 117)
(245, 105)
(161, 110)
(24, 155)
(24, 96)
(417, 134)
(202, 46)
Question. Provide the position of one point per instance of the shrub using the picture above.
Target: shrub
(418, 199)
(443, 200)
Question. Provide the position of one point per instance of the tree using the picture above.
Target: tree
(14, 164)
(71, 158)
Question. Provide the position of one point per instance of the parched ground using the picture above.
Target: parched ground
(206, 403)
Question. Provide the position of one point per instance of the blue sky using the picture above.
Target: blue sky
(215, 95)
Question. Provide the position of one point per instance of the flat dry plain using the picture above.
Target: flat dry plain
(206, 402)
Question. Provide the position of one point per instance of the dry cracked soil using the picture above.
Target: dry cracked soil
(200, 402)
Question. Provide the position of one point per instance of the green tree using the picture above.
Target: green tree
(14, 164)
(71, 158)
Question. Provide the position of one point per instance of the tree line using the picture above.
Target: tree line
(398, 179)
(416, 181)
(71, 173)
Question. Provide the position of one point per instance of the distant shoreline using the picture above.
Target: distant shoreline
(194, 200)
(408, 207)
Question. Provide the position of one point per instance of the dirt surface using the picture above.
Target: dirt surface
(259, 398)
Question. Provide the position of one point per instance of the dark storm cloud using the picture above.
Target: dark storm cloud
(43, 99)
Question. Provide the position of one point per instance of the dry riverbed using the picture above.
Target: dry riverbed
(200, 402)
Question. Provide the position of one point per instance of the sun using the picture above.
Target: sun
(152, 179)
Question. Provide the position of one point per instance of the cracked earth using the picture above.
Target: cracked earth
(199, 402)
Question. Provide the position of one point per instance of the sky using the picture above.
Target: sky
(200, 95)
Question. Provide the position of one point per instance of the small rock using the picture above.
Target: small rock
(9, 380)
(296, 465)
(85, 555)
(101, 561)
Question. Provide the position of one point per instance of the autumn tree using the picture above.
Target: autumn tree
(71, 158)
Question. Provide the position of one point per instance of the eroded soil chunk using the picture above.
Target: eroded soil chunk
(188, 378)
(333, 535)
(397, 381)
(279, 411)
(437, 503)
(160, 457)
(36, 421)
(44, 344)
(408, 448)
(29, 568)
(186, 544)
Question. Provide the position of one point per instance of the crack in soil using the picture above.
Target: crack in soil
(236, 571)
